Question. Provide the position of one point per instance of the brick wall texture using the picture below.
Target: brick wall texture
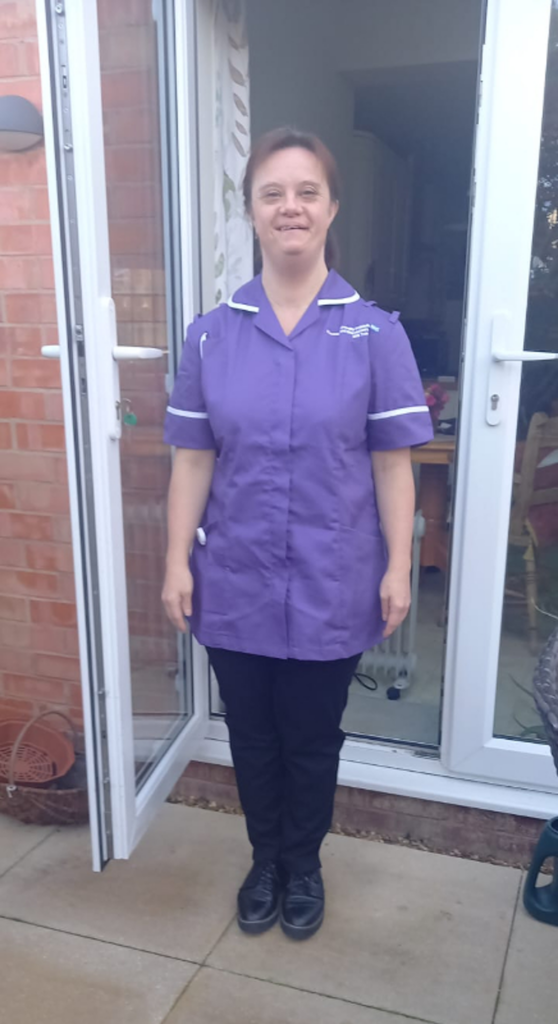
(39, 667)
(382, 817)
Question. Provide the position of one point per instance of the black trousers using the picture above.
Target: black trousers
(284, 726)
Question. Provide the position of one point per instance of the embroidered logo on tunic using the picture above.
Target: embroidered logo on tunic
(361, 331)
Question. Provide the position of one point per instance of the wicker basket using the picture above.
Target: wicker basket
(52, 802)
(33, 754)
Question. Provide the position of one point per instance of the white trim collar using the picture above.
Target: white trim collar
(339, 302)
(242, 305)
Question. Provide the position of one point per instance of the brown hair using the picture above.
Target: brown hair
(291, 138)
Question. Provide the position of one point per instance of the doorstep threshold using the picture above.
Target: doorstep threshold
(424, 785)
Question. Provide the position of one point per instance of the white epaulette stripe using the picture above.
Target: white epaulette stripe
(397, 412)
(202, 339)
(187, 414)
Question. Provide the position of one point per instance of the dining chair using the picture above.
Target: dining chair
(542, 435)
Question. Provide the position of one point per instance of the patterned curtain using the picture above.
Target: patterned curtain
(234, 258)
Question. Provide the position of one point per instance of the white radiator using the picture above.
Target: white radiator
(395, 660)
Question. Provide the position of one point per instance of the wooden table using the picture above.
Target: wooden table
(434, 460)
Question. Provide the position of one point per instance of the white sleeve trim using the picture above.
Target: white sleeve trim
(396, 412)
(189, 415)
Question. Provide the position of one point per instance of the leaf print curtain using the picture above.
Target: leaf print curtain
(234, 259)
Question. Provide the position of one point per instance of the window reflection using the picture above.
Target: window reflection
(531, 587)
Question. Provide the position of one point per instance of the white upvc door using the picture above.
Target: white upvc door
(507, 159)
(125, 259)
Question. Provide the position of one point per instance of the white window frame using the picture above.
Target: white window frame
(517, 31)
(474, 768)
(130, 812)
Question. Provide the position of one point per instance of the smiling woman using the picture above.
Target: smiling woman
(315, 187)
(300, 390)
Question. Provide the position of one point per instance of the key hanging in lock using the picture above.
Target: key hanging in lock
(129, 418)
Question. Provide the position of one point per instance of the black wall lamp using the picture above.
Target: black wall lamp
(21, 124)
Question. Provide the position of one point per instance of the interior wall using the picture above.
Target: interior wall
(293, 81)
(307, 62)
(380, 210)
(303, 57)
(399, 33)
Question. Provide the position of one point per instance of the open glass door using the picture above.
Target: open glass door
(118, 147)
(506, 521)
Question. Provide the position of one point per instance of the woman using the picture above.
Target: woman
(302, 560)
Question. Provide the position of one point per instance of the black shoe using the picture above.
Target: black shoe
(303, 905)
(258, 899)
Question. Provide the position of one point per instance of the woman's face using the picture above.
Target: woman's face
(292, 208)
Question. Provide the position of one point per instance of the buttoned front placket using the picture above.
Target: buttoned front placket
(286, 359)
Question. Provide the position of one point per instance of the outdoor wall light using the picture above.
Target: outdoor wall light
(21, 124)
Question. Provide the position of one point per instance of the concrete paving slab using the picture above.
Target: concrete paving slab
(408, 932)
(529, 986)
(229, 999)
(51, 978)
(175, 896)
(16, 840)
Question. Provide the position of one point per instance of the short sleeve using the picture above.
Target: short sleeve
(398, 416)
(187, 422)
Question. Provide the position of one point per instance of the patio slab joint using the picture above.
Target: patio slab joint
(323, 995)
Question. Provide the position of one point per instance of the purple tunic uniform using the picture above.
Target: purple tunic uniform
(290, 554)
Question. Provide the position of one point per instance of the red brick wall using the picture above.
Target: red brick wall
(441, 828)
(38, 639)
(39, 667)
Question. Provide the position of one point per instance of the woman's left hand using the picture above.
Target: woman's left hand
(395, 594)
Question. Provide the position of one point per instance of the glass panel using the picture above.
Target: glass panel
(398, 111)
(135, 110)
(531, 586)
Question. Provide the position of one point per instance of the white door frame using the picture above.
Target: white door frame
(498, 282)
(474, 766)
(130, 812)
(99, 814)
(507, 158)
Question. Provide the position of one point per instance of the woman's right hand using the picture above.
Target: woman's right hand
(177, 594)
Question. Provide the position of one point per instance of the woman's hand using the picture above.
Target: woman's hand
(395, 594)
(177, 594)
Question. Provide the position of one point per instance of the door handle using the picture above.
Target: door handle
(523, 357)
(498, 372)
(123, 353)
(119, 352)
